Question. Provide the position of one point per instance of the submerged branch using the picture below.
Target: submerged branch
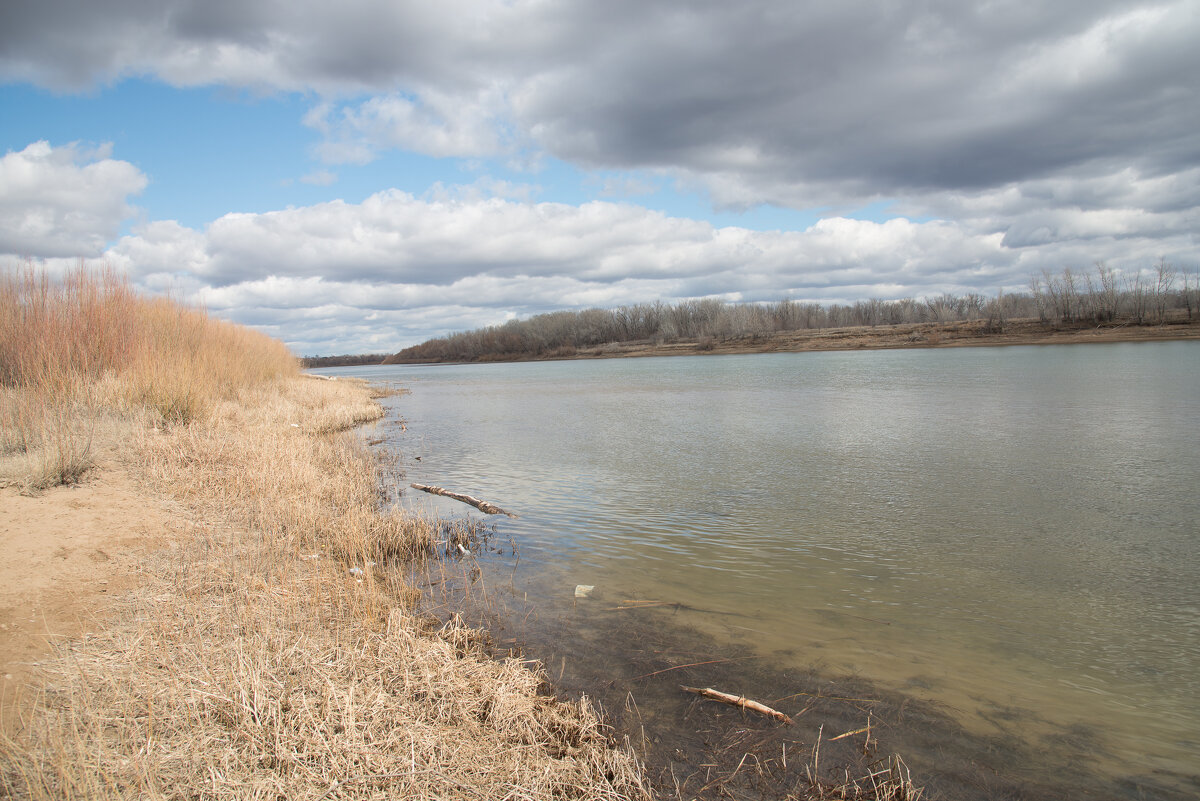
(483, 506)
(739, 701)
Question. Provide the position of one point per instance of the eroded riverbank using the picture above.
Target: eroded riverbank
(968, 333)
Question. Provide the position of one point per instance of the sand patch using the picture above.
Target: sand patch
(68, 552)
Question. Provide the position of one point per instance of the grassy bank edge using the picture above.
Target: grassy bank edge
(272, 647)
(251, 662)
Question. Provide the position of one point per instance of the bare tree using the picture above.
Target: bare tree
(1191, 293)
(996, 312)
(1109, 297)
(937, 309)
(1070, 290)
(1036, 287)
(901, 311)
(1163, 284)
(1135, 291)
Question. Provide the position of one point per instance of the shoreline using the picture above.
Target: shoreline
(883, 337)
(260, 636)
(426, 417)
(221, 628)
(230, 611)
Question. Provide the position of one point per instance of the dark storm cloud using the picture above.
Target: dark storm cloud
(798, 104)
(879, 98)
(354, 45)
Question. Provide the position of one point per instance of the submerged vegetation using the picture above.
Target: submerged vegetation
(1069, 299)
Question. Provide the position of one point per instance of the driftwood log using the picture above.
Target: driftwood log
(483, 506)
(739, 701)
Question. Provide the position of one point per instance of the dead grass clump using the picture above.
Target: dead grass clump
(44, 445)
(263, 466)
(265, 677)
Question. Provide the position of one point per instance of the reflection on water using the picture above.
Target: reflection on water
(998, 529)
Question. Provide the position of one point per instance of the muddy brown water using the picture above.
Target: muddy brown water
(998, 547)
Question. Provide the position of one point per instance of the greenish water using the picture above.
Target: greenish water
(1012, 532)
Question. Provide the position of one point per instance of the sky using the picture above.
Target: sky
(361, 176)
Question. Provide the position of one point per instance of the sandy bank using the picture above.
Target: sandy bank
(70, 553)
(233, 652)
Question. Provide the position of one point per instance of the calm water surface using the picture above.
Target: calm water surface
(1014, 532)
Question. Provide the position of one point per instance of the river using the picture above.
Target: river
(1013, 533)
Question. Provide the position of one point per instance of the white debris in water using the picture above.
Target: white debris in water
(583, 590)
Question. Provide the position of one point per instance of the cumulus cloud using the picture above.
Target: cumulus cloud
(63, 201)
(397, 269)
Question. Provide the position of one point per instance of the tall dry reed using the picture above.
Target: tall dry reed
(85, 347)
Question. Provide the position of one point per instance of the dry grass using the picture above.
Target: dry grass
(251, 662)
(246, 675)
(87, 347)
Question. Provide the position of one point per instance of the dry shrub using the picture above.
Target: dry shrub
(187, 362)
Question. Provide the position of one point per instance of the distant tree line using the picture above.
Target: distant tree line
(343, 361)
(1066, 298)
(1142, 298)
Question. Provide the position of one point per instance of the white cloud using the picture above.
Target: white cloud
(396, 269)
(433, 123)
(63, 201)
(319, 178)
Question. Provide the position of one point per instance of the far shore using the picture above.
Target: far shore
(971, 333)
